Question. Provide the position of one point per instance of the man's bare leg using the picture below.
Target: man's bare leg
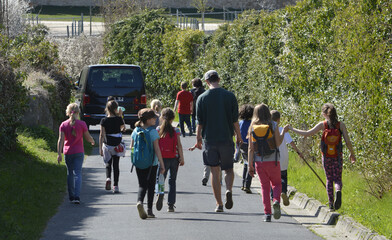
(216, 185)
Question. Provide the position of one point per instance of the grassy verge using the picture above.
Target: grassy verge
(32, 185)
(65, 13)
(356, 202)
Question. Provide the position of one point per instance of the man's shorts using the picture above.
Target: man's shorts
(219, 154)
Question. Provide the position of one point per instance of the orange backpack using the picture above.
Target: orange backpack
(331, 141)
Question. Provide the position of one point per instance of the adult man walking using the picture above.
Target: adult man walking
(217, 121)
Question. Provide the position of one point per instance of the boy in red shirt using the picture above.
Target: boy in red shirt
(184, 101)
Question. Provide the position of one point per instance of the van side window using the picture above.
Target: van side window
(82, 80)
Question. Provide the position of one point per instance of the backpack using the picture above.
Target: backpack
(265, 144)
(168, 145)
(331, 141)
(143, 152)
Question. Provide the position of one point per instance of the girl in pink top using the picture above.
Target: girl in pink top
(70, 142)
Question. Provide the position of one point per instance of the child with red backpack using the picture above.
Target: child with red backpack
(331, 149)
(172, 154)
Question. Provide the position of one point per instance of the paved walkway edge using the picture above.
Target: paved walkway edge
(330, 225)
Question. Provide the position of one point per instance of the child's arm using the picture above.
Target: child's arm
(348, 142)
(175, 106)
(60, 144)
(159, 155)
(251, 151)
(180, 152)
(318, 127)
(101, 137)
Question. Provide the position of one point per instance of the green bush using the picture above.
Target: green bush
(294, 59)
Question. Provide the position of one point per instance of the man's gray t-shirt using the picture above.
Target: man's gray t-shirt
(216, 111)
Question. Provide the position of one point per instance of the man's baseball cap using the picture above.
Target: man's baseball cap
(210, 74)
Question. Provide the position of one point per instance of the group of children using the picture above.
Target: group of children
(263, 151)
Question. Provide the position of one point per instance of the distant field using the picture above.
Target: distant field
(62, 13)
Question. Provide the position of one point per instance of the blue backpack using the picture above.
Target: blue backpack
(142, 154)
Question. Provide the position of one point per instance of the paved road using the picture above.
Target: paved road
(103, 215)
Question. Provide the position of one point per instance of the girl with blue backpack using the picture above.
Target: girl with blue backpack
(173, 157)
(145, 154)
(331, 149)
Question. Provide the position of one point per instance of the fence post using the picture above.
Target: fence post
(91, 20)
(81, 24)
(72, 27)
(68, 31)
(37, 18)
(224, 14)
(177, 17)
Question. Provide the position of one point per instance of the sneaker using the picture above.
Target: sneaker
(140, 209)
(116, 189)
(108, 184)
(285, 199)
(219, 208)
(276, 207)
(247, 190)
(267, 218)
(204, 182)
(159, 202)
(171, 208)
(243, 188)
(190, 134)
(76, 200)
(331, 208)
(229, 200)
(338, 200)
(150, 214)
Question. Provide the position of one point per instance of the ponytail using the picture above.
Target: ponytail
(166, 119)
(72, 112)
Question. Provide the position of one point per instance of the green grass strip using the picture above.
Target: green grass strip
(356, 201)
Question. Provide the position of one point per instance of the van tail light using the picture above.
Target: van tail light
(143, 99)
(136, 103)
(86, 99)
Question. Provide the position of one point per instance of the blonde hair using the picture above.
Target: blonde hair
(155, 105)
(72, 112)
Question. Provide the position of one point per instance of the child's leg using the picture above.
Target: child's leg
(337, 173)
(151, 186)
(181, 118)
(206, 173)
(109, 168)
(328, 168)
(116, 169)
(265, 186)
(273, 171)
(143, 183)
(173, 166)
(283, 175)
(188, 122)
(244, 174)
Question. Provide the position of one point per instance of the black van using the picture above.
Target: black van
(97, 82)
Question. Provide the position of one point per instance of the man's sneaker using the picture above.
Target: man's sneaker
(171, 208)
(116, 189)
(247, 190)
(285, 199)
(140, 209)
(108, 184)
(76, 200)
(159, 202)
(229, 200)
(204, 182)
(338, 200)
(150, 214)
(219, 208)
(190, 134)
(243, 188)
(267, 218)
(276, 207)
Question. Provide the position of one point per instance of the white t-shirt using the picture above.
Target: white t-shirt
(284, 152)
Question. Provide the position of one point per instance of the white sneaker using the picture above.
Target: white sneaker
(116, 189)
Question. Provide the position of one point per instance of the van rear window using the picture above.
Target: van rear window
(113, 77)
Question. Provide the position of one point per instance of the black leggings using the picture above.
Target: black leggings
(115, 161)
(147, 179)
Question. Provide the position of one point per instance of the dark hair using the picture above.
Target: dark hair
(246, 112)
(330, 111)
(167, 116)
(110, 98)
(275, 115)
(196, 82)
(111, 107)
(144, 115)
(184, 85)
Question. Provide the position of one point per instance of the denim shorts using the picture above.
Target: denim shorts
(219, 154)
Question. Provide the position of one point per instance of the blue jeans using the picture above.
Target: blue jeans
(187, 119)
(194, 122)
(74, 164)
(171, 164)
